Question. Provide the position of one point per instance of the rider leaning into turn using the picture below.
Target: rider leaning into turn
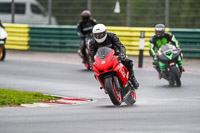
(161, 38)
(102, 38)
(84, 29)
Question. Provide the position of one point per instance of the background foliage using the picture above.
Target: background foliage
(144, 13)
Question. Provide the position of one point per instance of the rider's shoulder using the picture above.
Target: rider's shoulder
(80, 22)
(154, 37)
(168, 34)
(110, 34)
(93, 20)
(151, 39)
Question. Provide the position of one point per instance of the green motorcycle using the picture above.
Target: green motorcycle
(168, 56)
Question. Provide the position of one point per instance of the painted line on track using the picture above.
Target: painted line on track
(62, 101)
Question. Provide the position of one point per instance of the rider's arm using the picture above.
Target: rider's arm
(174, 41)
(119, 45)
(79, 30)
(94, 21)
(92, 49)
(151, 47)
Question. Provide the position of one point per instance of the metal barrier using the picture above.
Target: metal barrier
(65, 38)
(53, 38)
(189, 41)
(18, 36)
(130, 37)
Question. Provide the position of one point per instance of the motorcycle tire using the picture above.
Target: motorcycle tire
(171, 82)
(114, 94)
(2, 52)
(176, 73)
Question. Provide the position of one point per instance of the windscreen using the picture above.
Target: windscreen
(103, 52)
(167, 48)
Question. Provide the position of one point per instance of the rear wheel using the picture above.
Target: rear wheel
(2, 52)
(176, 74)
(114, 94)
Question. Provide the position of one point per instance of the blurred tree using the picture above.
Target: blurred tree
(183, 13)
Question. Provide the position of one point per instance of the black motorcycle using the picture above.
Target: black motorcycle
(168, 59)
(87, 63)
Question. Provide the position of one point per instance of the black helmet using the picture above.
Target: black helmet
(85, 15)
(160, 30)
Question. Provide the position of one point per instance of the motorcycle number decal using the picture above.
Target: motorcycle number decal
(122, 72)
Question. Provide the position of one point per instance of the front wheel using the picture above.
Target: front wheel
(2, 52)
(176, 75)
(114, 94)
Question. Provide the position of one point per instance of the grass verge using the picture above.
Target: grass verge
(16, 98)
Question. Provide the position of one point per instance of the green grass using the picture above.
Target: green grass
(16, 98)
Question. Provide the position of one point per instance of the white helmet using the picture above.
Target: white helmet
(99, 33)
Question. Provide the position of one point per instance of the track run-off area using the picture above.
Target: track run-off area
(159, 108)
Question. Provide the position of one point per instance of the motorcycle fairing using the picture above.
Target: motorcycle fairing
(122, 73)
(109, 65)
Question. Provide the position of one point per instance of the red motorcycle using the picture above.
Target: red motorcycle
(113, 77)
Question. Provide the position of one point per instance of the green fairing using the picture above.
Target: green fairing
(169, 56)
(162, 66)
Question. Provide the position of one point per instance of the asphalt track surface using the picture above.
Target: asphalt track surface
(159, 108)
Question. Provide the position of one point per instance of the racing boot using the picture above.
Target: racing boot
(134, 81)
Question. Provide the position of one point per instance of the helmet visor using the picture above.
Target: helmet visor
(159, 33)
(99, 35)
(85, 18)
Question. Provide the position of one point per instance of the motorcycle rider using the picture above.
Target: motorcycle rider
(102, 38)
(84, 30)
(161, 38)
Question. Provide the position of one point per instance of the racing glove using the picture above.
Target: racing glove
(122, 56)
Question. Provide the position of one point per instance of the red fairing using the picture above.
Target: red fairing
(122, 73)
(110, 63)
(102, 65)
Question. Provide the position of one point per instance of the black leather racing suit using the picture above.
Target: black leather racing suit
(84, 30)
(113, 42)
